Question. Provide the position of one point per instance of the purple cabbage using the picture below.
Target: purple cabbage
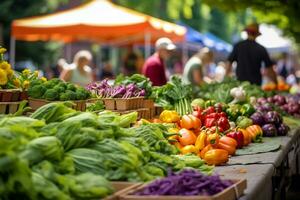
(269, 130)
(258, 118)
(186, 183)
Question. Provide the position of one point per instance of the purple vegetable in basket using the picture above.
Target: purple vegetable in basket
(269, 130)
(273, 117)
(258, 118)
(282, 129)
(186, 183)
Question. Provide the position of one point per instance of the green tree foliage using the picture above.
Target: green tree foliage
(39, 52)
(218, 24)
(284, 13)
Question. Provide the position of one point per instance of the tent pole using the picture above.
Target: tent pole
(147, 45)
(12, 51)
(69, 52)
(184, 52)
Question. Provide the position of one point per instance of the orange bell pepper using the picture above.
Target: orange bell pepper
(200, 142)
(189, 149)
(204, 150)
(216, 156)
(228, 144)
(213, 139)
(247, 136)
(187, 137)
(256, 133)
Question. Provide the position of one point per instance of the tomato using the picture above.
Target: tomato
(189, 149)
(204, 150)
(187, 137)
(186, 122)
(216, 156)
(247, 136)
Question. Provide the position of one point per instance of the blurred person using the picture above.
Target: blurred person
(249, 56)
(284, 67)
(196, 69)
(106, 71)
(220, 71)
(79, 72)
(131, 63)
(154, 67)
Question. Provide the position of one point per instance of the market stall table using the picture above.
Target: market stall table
(265, 172)
(259, 185)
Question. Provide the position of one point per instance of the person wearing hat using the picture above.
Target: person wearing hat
(250, 58)
(197, 65)
(154, 67)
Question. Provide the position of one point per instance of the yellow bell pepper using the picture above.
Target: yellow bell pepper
(169, 116)
(189, 149)
(200, 142)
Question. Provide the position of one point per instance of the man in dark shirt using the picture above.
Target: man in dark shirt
(250, 56)
(154, 67)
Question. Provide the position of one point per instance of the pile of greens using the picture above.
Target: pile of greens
(174, 95)
(60, 153)
(57, 90)
(220, 92)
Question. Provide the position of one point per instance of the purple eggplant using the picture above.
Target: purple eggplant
(282, 129)
(270, 100)
(273, 117)
(258, 118)
(261, 100)
(279, 100)
(269, 130)
(264, 108)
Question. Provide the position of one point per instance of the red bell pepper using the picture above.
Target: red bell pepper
(238, 136)
(208, 110)
(210, 122)
(223, 124)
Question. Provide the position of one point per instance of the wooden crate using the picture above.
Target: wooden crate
(142, 112)
(129, 104)
(9, 107)
(78, 104)
(231, 193)
(120, 187)
(10, 95)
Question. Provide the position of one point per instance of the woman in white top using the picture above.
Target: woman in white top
(79, 72)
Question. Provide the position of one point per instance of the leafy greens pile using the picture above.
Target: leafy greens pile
(220, 92)
(60, 153)
(174, 95)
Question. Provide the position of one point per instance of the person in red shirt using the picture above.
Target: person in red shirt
(154, 67)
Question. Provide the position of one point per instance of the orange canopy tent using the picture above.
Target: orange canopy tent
(99, 21)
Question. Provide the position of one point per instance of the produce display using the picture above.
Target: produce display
(60, 153)
(57, 90)
(186, 183)
(57, 152)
